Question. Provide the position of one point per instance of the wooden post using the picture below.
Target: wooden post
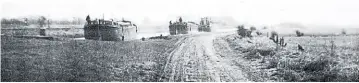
(98, 31)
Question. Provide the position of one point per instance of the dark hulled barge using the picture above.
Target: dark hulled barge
(109, 30)
(178, 27)
(204, 25)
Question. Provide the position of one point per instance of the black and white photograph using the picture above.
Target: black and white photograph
(179, 40)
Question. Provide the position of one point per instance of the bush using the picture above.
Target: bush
(290, 75)
(273, 35)
(321, 64)
(273, 62)
(253, 28)
(259, 33)
(243, 32)
(251, 54)
(299, 34)
(160, 37)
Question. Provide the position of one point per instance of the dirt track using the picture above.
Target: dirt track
(196, 60)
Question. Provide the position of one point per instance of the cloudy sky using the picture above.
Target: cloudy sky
(320, 12)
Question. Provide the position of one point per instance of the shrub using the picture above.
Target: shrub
(241, 31)
(299, 34)
(273, 34)
(252, 55)
(253, 28)
(322, 68)
(320, 64)
(244, 32)
(259, 33)
(273, 62)
(290, 75)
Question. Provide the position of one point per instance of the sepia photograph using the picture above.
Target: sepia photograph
(179, 40)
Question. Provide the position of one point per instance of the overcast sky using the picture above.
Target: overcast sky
(321, 12)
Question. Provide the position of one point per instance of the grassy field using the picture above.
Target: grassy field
(83, 60)
(321, 60)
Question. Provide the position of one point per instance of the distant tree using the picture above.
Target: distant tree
(265, 28)
(26, 21)
(12, 21)
(42, 21)
(253, 28)
(32, 21)
(180, 19)
(240, 27)
(299, 34)
(4, 21)
(344, 32)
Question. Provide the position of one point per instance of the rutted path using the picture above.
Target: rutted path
(196, 60)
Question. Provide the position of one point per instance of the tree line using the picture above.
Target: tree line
(41, 21)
